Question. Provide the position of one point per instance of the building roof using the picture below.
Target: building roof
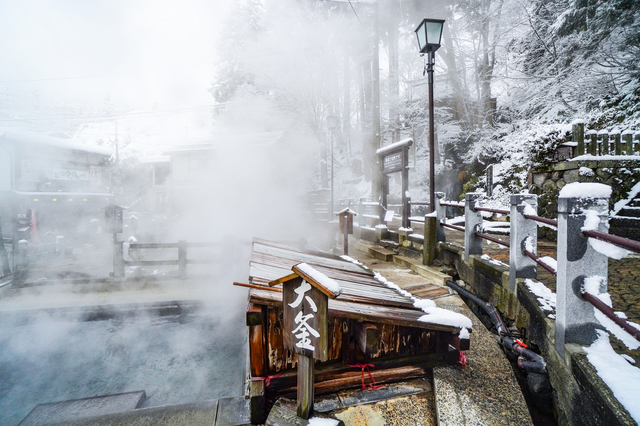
(57, 139)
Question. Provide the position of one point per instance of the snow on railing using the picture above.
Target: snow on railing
(582, 206)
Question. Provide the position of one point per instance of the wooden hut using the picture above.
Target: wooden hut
(372, 328)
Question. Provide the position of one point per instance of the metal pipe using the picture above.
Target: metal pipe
(431, 59)
(490, 210)
(534, 362)
(457, 228)
(551, 222)
(541, 263)
(602, 307)
(614, 239)
(495, 240)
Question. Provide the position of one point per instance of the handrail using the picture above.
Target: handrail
(551, 222)
(614, 239)
(541, 263)
(419, 203)
(446, 204)
(495, 240)
(457, 228)
(487, 209)
(602, 307)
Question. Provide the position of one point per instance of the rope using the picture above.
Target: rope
(363, 367)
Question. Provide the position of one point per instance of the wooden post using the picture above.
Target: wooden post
(406, 207)
(305, 386)
(430, 239)
(182, 259)
(578, 136)
(627, 142)
(593, 142)
(604, 147)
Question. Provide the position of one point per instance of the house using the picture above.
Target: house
(50, 185)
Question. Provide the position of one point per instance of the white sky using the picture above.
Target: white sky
(142, 52)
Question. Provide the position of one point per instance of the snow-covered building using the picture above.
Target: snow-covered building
(51, 184)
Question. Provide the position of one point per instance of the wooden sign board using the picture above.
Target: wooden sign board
(113, 219)
(305, 319)
(346, 221)
(392, 162)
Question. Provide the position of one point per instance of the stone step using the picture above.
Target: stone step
(431, 274)
(380, 253)
(73, 409)
(628, 211)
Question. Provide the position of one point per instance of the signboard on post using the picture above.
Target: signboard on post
(395, 158)
(346, 226)
(305, 302)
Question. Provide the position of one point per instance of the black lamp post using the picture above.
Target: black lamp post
(429, 33)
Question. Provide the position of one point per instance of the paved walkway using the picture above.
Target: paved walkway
(485, 390)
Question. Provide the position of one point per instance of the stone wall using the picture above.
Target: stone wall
(547, 182)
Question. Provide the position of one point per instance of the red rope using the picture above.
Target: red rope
(363, 367)
(267, 380)
(463, 358)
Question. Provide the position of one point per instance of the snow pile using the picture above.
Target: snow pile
(592, 285)
(320, 421)
(586, 171)
(550, 262)
(591, 223)
(546, 297)
(585, 190)
(622, 378)
(320, 278)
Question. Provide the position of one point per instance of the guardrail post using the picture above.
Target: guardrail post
(524, 234)
(472, 223)
(577, 261)
(441, 214)
(182, 259)
(118, 259)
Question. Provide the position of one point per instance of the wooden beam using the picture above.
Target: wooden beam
(254, 315)
(257, 401)
(257, 350)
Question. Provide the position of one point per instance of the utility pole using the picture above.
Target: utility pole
(376, 180)
(117, 155)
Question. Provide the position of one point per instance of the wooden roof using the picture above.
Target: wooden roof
(363, 297)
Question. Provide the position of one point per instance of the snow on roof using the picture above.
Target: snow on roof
(320, 278)
(347, 210)
(242, 139)
(156, 159)
(54, 139)
(585, 190)
(394, 146)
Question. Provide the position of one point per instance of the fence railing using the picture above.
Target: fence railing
(577, 261)
(601, 142)
(119, 262)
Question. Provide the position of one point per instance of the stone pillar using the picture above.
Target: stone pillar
(577, 261)
(627, 142)
(118, 260)
(441, 215)
(472, 223)
(524, 232)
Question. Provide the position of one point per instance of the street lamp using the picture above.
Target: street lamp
(332, 124)
(429, 34)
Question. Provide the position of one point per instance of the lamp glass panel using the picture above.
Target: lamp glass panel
(434, 30)
(422, 40)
